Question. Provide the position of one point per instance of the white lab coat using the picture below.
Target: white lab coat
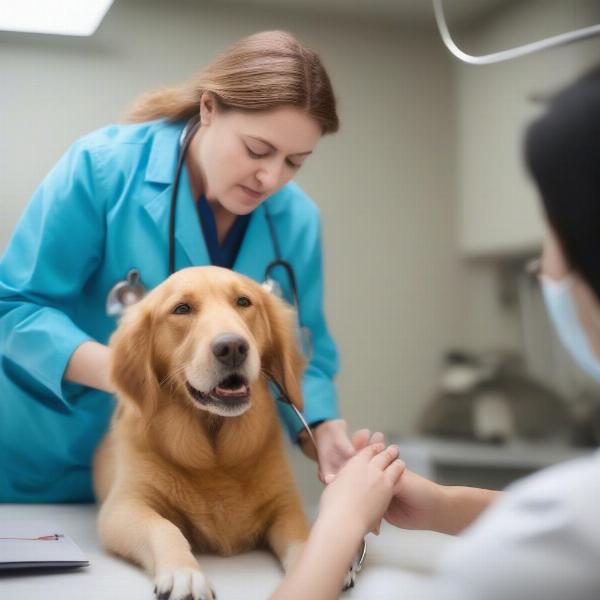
(540, 541)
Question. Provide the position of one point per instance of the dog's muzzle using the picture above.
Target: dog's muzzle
(229, 398)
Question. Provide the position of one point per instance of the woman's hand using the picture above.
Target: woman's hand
(361, 492)
(334, 447)
(416, 501)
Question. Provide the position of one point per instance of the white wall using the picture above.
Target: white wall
(498, 209)
(385, 183)
(498, 204)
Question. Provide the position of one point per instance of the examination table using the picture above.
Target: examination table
(398, 565)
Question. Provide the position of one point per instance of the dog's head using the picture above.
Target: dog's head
(204, 336)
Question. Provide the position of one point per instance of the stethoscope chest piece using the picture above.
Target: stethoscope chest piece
(125, 293)
(272, 286)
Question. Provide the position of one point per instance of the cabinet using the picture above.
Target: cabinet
(455, 462)
(498, 207)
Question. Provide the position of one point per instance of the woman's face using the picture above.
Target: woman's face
(242, 158)
(555, 266)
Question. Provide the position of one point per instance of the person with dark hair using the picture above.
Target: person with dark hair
(540, 539)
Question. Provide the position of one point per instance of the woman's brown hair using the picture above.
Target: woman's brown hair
(260, 72)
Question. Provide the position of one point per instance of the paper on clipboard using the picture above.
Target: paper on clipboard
(32, 543)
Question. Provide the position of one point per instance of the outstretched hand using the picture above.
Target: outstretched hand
(361, 492)
(415, 502)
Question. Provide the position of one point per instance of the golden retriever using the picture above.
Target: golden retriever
(194, 460)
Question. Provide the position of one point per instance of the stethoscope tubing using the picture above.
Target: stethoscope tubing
(186, 137)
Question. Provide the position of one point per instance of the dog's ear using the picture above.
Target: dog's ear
(282, 358)
(132, 371)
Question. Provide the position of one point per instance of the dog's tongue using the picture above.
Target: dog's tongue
(242, 390)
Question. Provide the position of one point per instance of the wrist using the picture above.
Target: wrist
(344, 528)
(441, 507)
(459, 506)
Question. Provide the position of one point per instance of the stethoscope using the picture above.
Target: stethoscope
(131, 290)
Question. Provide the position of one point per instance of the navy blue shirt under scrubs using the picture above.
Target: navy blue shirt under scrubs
(221, 255)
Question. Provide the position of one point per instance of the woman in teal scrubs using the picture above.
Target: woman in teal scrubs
(104, 210)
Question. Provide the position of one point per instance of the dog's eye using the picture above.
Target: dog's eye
(243, 301)
(182, 309)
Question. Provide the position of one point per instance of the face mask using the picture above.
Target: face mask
(562, 310)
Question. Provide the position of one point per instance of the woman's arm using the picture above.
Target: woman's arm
(55, 247)
(461, 506)
(90, 365)
(419, 503)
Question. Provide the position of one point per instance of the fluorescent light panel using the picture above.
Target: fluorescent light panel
(60, 17)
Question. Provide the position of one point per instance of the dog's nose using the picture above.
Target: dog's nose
(230, 349)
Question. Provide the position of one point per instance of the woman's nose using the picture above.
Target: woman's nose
(269, 175)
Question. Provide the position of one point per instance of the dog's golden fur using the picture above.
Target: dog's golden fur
(174, 477)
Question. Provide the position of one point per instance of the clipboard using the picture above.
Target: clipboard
(30, 544)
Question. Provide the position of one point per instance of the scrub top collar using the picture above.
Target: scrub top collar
(164, 153)
(191, 249)
(225, 254)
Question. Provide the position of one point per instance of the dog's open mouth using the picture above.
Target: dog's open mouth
(229, 398)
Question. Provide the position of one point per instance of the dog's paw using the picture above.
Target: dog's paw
(350, 577)
(355, 568)
(292, 555)
(183, 584)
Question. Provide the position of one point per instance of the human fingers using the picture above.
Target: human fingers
(323, 476)
(385, 457)
(377, 438)
(337, 440)
(376, 529)
(395, 471)
(345, 445)
(369, 452)
(360, 439)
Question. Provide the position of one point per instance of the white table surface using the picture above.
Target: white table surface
(398, 565)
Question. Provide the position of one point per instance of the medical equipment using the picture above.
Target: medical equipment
(284, 397)
(128, 292)
(562, 309)
(125, 293)
(488, 59)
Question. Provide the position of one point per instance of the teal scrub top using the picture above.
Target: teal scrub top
(103, 210)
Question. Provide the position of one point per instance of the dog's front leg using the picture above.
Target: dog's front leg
(137, 532)
(288, 532)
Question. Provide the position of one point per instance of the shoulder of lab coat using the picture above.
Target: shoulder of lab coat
(541, 540)
(60, 241)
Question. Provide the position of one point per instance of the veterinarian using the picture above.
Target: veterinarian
(540, 540)
(99, 224)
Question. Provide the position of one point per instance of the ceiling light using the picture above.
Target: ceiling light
(60, 17)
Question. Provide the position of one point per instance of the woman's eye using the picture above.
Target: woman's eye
(256, 154)
(243, 301)
(182, 309)
(291, 164)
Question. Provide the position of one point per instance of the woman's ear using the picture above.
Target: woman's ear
(208, 107)
(283, 360)
(132, 371)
